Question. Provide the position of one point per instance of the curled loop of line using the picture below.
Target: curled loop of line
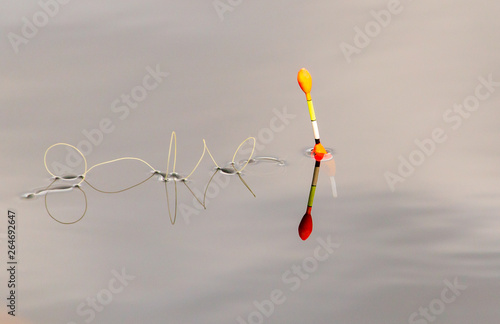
(206, 189)
(85, 196)
(87, 170)
(173, 138)
(121, 190)
(205, 148)
(61, 222)
(251, 154)
(238, 172)
(121, 159)
(116, 160)
(69, 145)
(172, 221)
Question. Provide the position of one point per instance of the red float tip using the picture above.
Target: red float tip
(305, 226)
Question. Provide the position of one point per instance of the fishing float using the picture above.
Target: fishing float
(318, 152)
(305, 83)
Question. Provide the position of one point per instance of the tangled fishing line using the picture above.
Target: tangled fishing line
(167, 176)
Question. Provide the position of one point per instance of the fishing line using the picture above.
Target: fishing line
(57, 220)
(222, 170)
(166, 177)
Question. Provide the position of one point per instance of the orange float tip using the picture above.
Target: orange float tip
(305, 82)
(319, 152)
(305, 226)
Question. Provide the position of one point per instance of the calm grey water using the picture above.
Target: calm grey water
(406, 93)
